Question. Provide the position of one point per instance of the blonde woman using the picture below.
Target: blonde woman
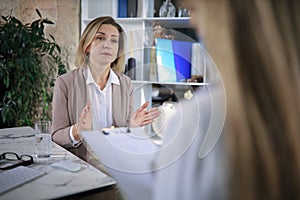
(255, 45)
(96, 94)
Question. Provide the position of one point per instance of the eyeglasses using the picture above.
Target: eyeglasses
(9, 160)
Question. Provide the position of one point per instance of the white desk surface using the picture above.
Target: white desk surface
(56, 183)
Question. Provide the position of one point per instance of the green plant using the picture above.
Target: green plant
(29, 63)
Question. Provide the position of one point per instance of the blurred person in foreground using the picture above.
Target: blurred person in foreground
(255, 45)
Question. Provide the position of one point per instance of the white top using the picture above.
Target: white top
(101, 100)
(187, 175)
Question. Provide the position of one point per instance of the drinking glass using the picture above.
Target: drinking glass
(43, 140)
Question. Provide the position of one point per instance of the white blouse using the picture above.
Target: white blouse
(101, 100)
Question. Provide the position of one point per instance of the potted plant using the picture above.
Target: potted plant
(29, 63)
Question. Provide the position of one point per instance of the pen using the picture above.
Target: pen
(105, 132)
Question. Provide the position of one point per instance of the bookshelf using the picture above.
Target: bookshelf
(139, 41)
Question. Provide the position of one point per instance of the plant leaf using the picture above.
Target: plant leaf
(46, 21)
(52, 37)
(6, 81)
(4, 18)
(38, 12)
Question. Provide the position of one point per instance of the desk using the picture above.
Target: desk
(89, 182)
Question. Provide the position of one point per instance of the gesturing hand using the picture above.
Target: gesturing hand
(142, 117)
(85, 118)
(84, 122)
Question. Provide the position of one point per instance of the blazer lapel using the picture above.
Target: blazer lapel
(116, 104)
(80, 92)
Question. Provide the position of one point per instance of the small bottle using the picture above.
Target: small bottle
(131, 64)
(183, 12)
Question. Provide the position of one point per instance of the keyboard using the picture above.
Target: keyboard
(15, 177)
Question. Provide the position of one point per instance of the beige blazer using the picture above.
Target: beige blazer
(69, 99)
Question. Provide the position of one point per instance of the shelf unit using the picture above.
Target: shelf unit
(137, 33)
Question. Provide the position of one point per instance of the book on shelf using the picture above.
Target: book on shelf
(122, 8)
(132, 8)
(128, 8)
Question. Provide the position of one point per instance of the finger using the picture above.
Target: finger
(153, 117)
(146, 122)
(84, 114)
(154, 113)
(153, 110)
(88, 102)
(143, 107)
(88, 107)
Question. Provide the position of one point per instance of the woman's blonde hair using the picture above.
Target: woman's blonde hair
(88, 36)
(256, 47)
(266, 150)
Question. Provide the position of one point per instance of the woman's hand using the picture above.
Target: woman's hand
(85, 118)
(142, 117)
(84, 122)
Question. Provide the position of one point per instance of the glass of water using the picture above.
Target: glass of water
(43, 140)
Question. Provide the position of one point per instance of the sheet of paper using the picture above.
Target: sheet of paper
(128, 152)
(128, 158)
